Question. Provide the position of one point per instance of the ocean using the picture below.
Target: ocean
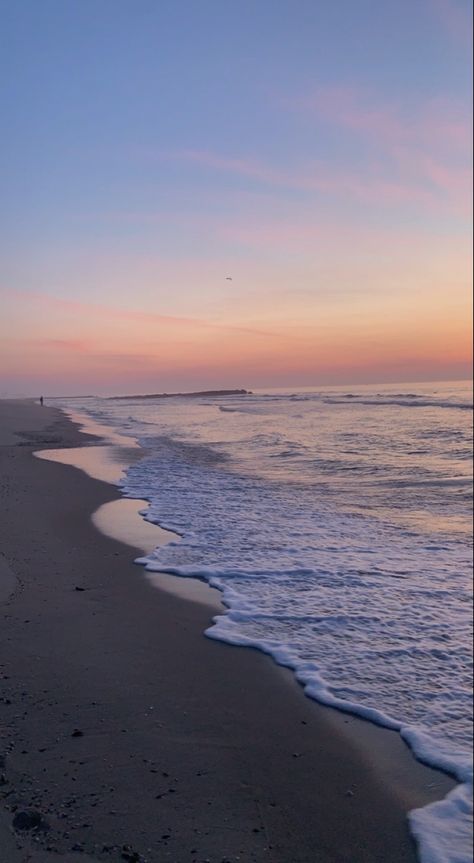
(337, 525)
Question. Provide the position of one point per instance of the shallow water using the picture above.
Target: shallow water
(337, 525)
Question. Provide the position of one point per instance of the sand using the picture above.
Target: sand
(130, 736)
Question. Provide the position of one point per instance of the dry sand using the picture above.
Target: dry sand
(130, 736)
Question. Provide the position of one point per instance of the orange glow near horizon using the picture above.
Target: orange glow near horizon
(113, 350)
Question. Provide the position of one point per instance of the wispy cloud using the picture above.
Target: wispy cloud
(418, 180)
(74, 345)
(423, 151)
(110, 313)
(437, 122)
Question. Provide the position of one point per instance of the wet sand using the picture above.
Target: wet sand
(127, 735)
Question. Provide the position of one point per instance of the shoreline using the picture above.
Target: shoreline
(107, 458)
(239, 763)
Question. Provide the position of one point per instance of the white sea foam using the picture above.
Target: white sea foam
(336, 527)
(443, 830)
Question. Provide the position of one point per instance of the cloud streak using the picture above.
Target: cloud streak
(417, 154)
(441, 186)
(439, 123)
(426, 148)
(106, 312)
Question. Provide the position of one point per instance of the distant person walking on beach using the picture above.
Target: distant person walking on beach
(41, 401)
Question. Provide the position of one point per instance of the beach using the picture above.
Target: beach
(128, 735)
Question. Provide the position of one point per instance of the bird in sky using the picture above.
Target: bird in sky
(228, 278)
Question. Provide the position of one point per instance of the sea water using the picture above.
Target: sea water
(337, 525)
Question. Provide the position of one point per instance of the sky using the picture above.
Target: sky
(229, 193)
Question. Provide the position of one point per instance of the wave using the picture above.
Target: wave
(438, 828)
(406, 402)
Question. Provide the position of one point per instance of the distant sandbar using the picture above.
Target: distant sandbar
(212, 393)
